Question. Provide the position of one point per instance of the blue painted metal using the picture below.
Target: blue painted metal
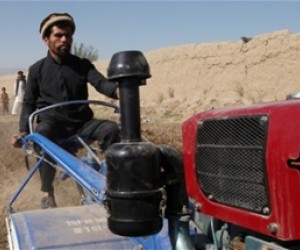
(82, 227)
(88, 178)
(157, 241)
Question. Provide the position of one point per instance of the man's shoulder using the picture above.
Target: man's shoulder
(78, 59)
(81, 64)
(37, 64)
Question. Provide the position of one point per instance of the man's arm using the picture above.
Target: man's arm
(28, 107)
(101, 83)
(29, 102)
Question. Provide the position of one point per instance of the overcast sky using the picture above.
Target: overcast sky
(112, 26)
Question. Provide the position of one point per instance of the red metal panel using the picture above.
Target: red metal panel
(283, 143)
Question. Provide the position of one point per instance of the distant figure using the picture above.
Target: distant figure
(19, 90)
(4, 101)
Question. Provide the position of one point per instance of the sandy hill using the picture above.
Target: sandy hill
(191, 78)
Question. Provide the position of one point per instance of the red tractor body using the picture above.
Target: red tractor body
(242, 166)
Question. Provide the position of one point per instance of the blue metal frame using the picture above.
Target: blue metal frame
(83, 174)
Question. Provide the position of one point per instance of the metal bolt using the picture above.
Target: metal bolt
(273, 227)
(266, 210)
(94, 190)
(263, 119)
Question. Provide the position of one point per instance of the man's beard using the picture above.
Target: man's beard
(63, 53)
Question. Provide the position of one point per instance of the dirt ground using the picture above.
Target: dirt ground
(13, 170)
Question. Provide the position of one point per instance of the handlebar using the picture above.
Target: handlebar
(60, 104)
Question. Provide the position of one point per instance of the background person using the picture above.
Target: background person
(19, 90)
(4, 101)
(58, 77)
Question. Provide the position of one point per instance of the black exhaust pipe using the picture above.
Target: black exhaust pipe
(133, 166)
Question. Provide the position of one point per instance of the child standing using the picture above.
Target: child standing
(4, 101)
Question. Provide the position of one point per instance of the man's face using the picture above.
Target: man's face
(59, 41)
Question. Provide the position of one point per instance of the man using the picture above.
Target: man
(19, 90)
(61, 76)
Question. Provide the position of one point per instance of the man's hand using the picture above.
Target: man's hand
(15, 141)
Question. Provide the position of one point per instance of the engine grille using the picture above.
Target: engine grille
(230, 161)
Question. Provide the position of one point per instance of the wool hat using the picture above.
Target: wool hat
(54, 18)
